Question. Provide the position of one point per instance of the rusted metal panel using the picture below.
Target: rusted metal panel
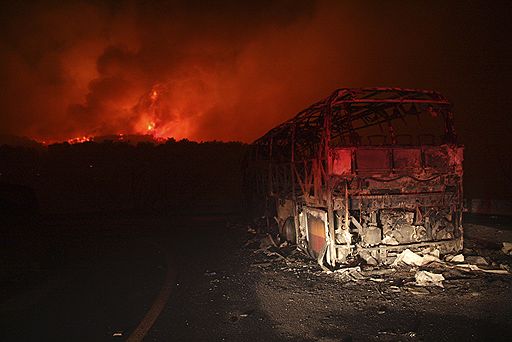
(342, 162)
(372, 159)
(436, 158)
(406, 158)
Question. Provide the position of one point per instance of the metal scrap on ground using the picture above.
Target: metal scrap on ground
(425, 267)
(507, 248)
(425, 278)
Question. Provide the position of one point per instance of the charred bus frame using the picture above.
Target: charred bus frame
(340, 194)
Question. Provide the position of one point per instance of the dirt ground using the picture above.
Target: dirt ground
(232, 285)
(253, 293)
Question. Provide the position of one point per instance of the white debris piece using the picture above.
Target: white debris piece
(455, 258)
(507, 248)
(350, 273)
(368, 258)
(389, 240)
(427, 259)
(431, 251)
(469, 267)
(425, 278)
(458, 258)
(377, 280)
(348, 270)
(410, 258)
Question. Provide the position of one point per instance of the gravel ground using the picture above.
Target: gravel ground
(243, 292)
(231, 287)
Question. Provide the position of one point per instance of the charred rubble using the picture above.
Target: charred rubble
(364, 173)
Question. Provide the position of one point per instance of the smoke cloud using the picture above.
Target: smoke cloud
(230, 70)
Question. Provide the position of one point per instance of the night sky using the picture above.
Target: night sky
(231, 70)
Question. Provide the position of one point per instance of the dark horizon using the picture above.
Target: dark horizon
(232, 71)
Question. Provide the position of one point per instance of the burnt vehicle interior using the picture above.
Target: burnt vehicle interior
(364, 173)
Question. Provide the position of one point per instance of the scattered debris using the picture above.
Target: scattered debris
(507, 248)
(425, 278)
(506, 267)
(425, 264)
(469, 267)
(410, 258)
(379, 271)
(261, 264)
(368, 258)
(476, 260)
(455, 258)
(295, 285)
(377, 280)
(431, 251)
(406, 334)
(270, 253)
(394, 288)
(349, 274)
(321, 257)
(418, 290)
(237, 315)
(389, 240)
(267, 241)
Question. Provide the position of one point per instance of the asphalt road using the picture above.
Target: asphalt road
(86, 279)
(151, 278)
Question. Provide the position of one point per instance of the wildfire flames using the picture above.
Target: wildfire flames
(148, 109)
(79, 140)
(156, 114)
(229, 70)
(152, 110)
(162, 68)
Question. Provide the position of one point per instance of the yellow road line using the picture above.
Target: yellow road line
(158, 305)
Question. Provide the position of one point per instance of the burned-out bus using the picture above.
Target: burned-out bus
(364, 173)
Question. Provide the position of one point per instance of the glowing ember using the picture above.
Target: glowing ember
(151, 126)
(79, 140)
(154, 95)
